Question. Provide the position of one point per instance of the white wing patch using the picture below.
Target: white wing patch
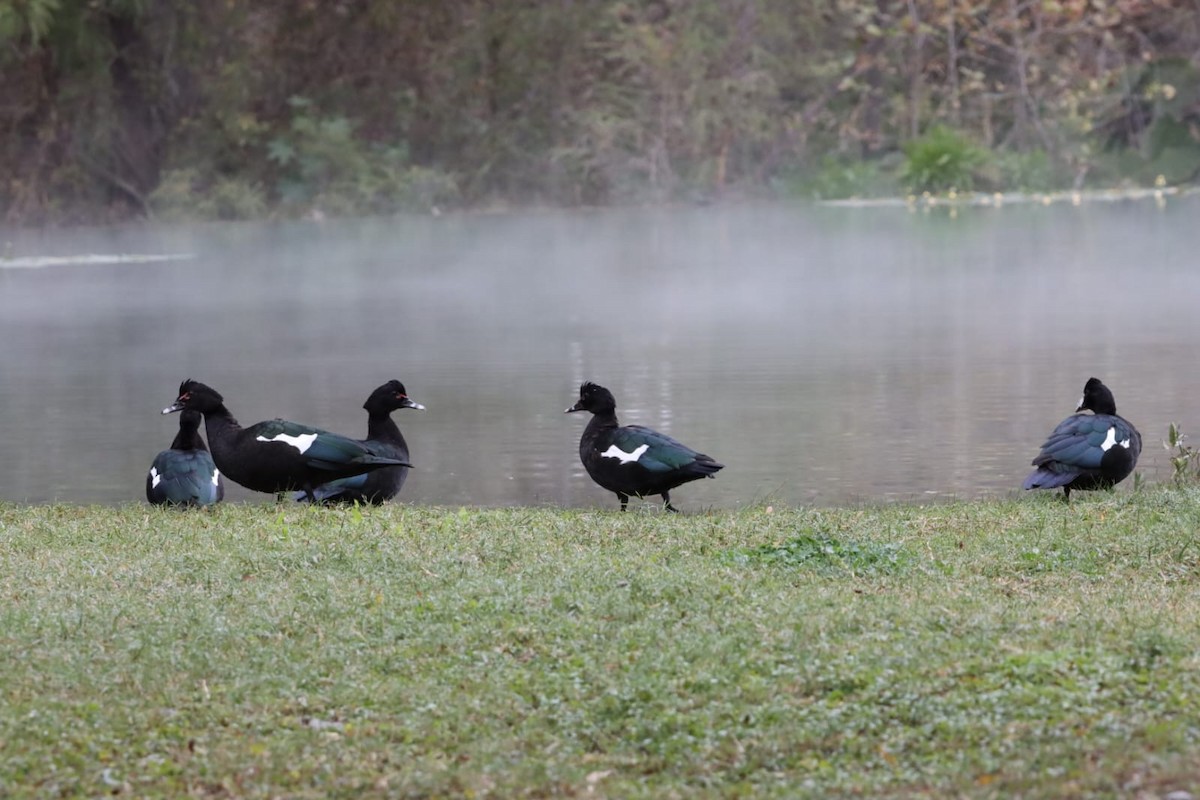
(301, 442)
(216, 476)
(1111, 439)
(626, 458)
(155, 478)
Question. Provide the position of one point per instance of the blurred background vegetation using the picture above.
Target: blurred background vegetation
(230, 109)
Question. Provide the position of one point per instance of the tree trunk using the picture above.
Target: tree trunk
(136, 150)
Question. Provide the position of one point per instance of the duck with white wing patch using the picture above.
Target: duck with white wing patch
(185, 475)
(634, 461)
(383, 435)
(1088, 451)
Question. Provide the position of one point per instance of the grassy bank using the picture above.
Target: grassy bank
(996, 648)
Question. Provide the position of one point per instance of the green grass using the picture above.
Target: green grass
(989, 649)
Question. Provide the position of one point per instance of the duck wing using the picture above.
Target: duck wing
(1080, 441)
(184, 478)
(1078, 446)
(374, 487)
(657, 452)
(321, 449)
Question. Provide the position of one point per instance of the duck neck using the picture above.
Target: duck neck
(382, 428)
(601, 421)
(220, 424)
(188, 439)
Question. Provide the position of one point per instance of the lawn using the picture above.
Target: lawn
(989, 649)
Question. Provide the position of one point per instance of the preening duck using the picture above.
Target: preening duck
(185, 475)
(1088, 451)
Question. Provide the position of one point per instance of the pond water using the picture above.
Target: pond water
(825, 355)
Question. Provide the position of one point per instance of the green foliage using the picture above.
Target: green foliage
(942, 159)
(1153, 130)
(32, 18)
(1185, 459)
(322, 164)
(316, 155)
(185, 195)
(1161, 92)
(1032, 171)
(836, 177)
(1174, 157)
(411, 105)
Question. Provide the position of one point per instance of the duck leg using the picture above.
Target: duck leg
(624, 498)
(666, 496)
(1066, 494)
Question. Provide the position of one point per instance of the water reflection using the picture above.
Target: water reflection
(824, 355)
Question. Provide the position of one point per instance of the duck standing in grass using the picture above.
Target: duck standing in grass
(1088, 451)
(277, 455)
(384, 437)
(185, 475)
(633, 460)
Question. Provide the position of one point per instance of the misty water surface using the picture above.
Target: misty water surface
(825, 355)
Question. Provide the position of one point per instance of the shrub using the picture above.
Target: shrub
(321, 163)
(838, 178)
(182, 194)
(1185, 460)
(942, 159)
(1030, 171)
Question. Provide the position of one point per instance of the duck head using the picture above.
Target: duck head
(594, 398)
(1097, 398)
(195, 396)
(390, 397)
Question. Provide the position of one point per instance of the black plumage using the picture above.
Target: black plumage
(634, 461)
(277, 455)
(185, 475)
(1088, 451)
(384, 437)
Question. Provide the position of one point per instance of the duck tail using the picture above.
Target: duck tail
(1045, 479)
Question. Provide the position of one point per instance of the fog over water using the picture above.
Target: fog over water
(825, 355)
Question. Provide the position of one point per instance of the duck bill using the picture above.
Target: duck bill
(408, 402)
(577, 407)
(171, 409)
